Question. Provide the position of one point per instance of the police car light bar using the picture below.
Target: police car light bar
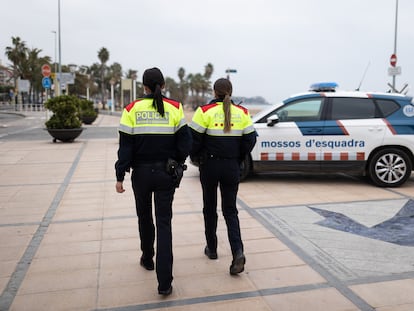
(324, 87)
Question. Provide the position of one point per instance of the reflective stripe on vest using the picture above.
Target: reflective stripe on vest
(209, 119)
(140, 117)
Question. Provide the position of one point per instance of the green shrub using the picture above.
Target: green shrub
(86, 108)
(65, 110)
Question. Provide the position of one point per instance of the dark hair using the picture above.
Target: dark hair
(154, 80)
(223, 90)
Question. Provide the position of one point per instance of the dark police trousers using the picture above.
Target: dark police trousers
(224, 173)
(147, 179)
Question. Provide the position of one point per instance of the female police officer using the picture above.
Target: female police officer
(152, 132)
(223, 134)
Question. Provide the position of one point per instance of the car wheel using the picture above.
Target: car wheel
(245, 168)
(389, 168)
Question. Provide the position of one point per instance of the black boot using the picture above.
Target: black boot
(238, 262)
(210, 254)
(147, 263)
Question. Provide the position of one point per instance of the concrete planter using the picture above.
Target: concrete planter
(65, 135)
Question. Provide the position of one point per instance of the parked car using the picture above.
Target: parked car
(326, 130)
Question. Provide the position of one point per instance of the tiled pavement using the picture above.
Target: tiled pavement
(68, 241)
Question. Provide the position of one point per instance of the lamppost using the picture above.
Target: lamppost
(60, 49)
(112, 82)
(395, 70)
(229, 71)
(134, 85)
(55, 76)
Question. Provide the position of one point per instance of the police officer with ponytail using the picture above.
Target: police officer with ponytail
(223, 134)
(154, 141)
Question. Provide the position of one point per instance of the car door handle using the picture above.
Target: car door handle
(314, 130)
(375, 129)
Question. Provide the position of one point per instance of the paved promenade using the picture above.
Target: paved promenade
(68, 241)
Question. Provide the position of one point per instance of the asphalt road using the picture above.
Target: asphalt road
(30, 126)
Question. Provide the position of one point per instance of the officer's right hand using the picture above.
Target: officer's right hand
(119, 187)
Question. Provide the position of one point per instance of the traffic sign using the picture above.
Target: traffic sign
(393, 60)
(46, 70)
(394, 71)
(46, 82)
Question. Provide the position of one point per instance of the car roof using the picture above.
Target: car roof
(340, 93)
(354, 94)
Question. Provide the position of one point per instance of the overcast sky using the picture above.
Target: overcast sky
(277, 47)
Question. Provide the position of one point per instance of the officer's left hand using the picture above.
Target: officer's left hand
(119, 187)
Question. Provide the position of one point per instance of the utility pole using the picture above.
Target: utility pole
(60, 50)
(395, 39)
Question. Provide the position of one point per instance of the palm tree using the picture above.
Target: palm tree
(116, 76)
(196, 82)
(206, 84)
(171, 88)
(16, 54)
(208, 71)
(103, 55)
(183, 86)
(31, 68)
(181, 73)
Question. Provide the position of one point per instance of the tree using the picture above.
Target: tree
(181, 73)
(172, 88)
(16, 54)
(115, 74)
(206, 84)
(182, 86)
(31, 70)
(195, 82)
(83, 82)
(208, 71)
(103, 55)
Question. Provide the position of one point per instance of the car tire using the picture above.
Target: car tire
(245, 168)
(389, 167)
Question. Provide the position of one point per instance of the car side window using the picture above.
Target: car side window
(353, 108)
(387, 107)
(303, 110)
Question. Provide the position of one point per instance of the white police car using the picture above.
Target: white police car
(326, 130)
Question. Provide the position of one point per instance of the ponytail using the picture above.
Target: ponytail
(223, 90)
(158, 103)
(227, 113)
(154, 80)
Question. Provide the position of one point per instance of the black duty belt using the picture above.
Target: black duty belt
(214, 157)
(154, 164)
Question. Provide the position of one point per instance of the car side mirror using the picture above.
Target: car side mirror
(272, 120)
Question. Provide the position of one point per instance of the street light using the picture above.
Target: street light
(55, 76)
(60, 49)
(395, 39)
(134, 85)
(112, 82)
(229, 71)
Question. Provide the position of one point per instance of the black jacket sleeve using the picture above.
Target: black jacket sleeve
(183, 143)
(197, 146)
(125, 155)
(247, 144)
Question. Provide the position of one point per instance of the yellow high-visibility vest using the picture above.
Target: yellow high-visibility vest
(209, 119)
(140, 117)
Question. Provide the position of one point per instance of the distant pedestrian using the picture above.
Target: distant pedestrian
(223, 135)
(154, 141)
(11, 96)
